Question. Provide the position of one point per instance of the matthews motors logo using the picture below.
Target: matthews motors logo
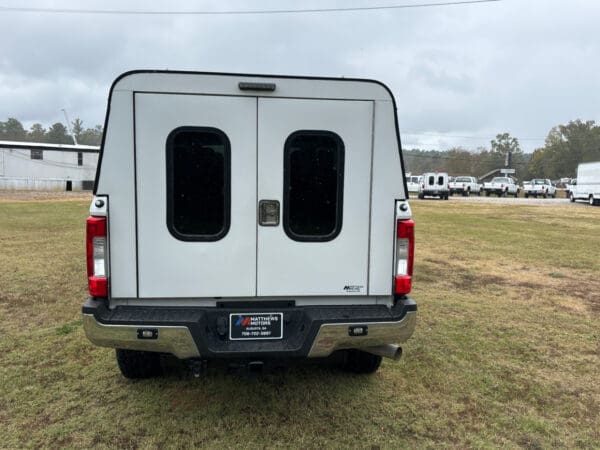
(243, 321)
(352, 288)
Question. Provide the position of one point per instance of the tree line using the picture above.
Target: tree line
(13, 130)
(565, 147)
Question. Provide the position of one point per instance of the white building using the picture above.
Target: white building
(31, 166)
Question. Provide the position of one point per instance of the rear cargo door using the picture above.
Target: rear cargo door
(195, 159)
(314, 178)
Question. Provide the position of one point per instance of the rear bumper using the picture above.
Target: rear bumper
(434, 192)
(312, 332)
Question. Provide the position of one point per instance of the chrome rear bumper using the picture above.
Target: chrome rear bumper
(196, 338)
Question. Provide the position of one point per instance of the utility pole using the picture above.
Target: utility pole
(69, 126)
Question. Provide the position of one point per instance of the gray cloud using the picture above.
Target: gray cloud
(472, 71)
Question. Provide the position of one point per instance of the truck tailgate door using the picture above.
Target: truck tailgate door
(195, 159)
(314, 160)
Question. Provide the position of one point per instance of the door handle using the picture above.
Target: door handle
(268, 213)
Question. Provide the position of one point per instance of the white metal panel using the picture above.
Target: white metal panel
(172, 268)
(227, 84)
(117, 181)
(288, 267)
(387, 186)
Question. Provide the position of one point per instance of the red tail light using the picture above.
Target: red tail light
(405, 254)
(96, 256)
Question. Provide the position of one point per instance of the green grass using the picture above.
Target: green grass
(506, 351)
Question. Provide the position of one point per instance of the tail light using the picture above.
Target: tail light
(405, 253)
(96, 256)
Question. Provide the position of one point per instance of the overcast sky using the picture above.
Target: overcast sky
(460, 74)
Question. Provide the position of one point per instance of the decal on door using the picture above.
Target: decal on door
(353, 288)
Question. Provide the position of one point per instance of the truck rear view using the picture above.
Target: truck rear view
(250, 218)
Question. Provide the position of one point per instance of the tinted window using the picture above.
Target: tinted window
(431, 179)
(37, 154)
(198, 184)
(440, 180)
(313, 185)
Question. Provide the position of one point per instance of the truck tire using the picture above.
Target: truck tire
(517, 193)
(136, 364)
(487, 193)
(526, 195)
(592, 201)
(421, 196)
(553, 195)
(571, 198)
(468, 193)
(357, 361)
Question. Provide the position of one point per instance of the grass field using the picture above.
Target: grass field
(506, 351)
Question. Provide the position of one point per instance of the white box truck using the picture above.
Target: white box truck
(588, 183)
(250, 218)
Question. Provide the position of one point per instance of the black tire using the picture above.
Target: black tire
(553, 195)
(526, 195)
(468, 193)
(357, 361)
(479, 193)
(592, 201)
(571, 198)
(136, 364)
(487, 193)
(421, 196)
(516, 194)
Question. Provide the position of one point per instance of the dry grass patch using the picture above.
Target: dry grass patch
(505, 354)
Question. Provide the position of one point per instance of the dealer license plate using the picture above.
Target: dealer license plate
(251, 326)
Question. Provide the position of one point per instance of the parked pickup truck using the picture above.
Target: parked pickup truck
(541, 187)
(465, 186)
(434, 184)
(413, 182)
(501, 186)
(235, 217)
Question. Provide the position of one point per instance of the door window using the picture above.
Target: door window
(198, 184)
(313, 185)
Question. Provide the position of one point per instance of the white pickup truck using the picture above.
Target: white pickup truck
(434, 184)
(413, 182)
(539, 186)
(501, 186)
(235, 217)
(465, 186)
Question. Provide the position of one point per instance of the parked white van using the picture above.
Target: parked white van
(588, 183)
(250, 218)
